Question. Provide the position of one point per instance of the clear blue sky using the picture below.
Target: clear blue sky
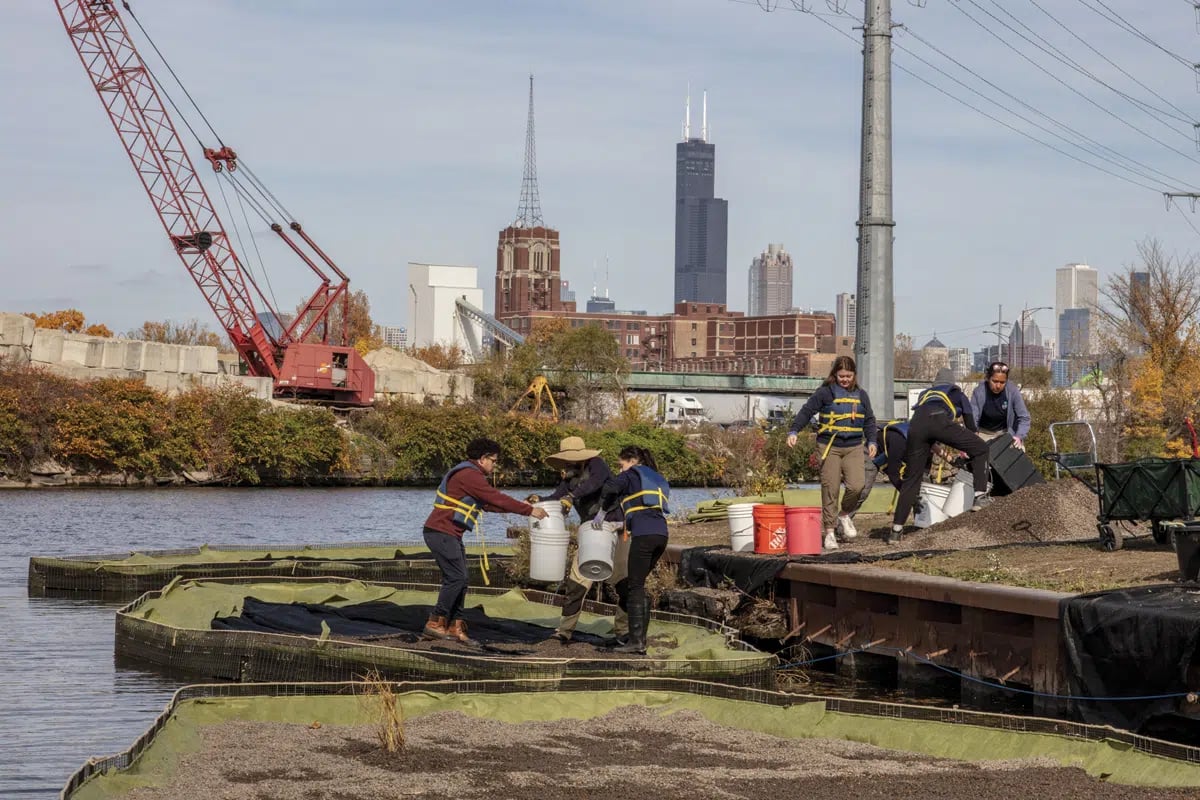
(395, 132)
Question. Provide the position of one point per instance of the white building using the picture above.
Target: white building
(433, 291)
(961, 362)
(1075, 286)
(395, 336)
(845, 315)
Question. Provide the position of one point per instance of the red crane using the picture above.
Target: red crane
(300, 368)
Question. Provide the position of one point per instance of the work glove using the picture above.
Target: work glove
(533, 498)
(598, 520)
(567, 505)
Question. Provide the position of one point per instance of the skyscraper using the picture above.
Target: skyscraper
(701, 218)
(770, 285)
(846, 314)
(1075, 286)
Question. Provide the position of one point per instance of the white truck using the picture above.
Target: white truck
(682, 410)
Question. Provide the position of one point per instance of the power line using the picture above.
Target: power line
(1129, 27)
(1073, 140)
(1112, 63)
(1059, 80)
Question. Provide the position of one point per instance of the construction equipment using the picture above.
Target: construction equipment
(283, 350)
(538, 387)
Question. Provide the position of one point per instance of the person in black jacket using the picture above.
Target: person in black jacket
(642, 494)
(847, 425)
(584, 473)
(935, 418)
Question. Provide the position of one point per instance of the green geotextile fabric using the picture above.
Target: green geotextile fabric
(878, 502)
(804, 720)
(208, 555)
(192, 605)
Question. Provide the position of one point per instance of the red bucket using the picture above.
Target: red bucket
(803, 531)
(770, 529)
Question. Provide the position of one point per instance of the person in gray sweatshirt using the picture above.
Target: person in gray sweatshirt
(998, 406)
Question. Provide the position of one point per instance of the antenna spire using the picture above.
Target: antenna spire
(529, 214)
(704, 118)
(687, 115)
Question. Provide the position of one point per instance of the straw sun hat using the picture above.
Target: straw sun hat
(571, 450)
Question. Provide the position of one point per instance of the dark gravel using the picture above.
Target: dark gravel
(629, 753)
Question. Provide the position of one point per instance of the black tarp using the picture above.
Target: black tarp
(1130, 643)
(711, 566)
(377, 620)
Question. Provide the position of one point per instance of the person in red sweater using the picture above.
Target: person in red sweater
(463, 495)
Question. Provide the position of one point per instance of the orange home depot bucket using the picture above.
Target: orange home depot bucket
(803, 531)
(770, 529)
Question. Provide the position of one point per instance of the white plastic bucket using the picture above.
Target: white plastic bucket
(961, 498)
(597, 549)
(548, 541)
(741, 527)
(935, 496)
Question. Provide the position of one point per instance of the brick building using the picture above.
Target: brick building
(527, 272)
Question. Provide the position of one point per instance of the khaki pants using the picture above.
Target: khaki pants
(578, 586)
(843, 465)
(987, 436)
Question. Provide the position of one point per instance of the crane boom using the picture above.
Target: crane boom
(127, 90)
(167, 173)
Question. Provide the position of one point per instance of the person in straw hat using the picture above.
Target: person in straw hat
(584, 473)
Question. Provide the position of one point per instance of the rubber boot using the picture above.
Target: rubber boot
(636, 643)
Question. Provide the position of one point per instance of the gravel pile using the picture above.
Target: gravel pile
(631, 752)
(1058, 511)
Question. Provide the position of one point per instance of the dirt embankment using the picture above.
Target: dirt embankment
(1042, 537)
(631, 752)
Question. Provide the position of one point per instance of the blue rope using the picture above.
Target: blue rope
(992, 684)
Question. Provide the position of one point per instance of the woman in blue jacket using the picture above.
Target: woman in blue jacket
(998, 406)
(642, 494)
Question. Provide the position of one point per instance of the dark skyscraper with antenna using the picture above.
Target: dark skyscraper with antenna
(701, 218)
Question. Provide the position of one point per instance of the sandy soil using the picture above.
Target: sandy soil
(1042, 537)
(628, 754)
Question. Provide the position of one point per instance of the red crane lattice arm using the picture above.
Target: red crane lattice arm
(137, 113)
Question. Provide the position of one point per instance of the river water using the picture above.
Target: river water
(62, 700)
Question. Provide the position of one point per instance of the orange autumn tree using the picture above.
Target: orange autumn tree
(1152, 337)
(70, 320)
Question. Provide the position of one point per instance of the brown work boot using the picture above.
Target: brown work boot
(458, 630)
(436, 628)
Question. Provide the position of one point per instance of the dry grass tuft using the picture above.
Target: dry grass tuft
(663, 578)
(379, 699)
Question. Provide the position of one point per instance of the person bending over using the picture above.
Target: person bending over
(936, 417)
(462, 496)
(584, 473)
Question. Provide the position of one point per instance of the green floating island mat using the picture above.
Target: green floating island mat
(173, 628)
(1104, 753)
(710, 510)
(127, 575)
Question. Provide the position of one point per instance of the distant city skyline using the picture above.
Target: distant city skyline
(426, 170)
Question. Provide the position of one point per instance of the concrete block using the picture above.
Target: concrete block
(189, 359)
(207, 357)
(85, 350)
(14, 354)
(168, 382)
(133, 354)
(112, 355)
(16, 330)
(47, 346)
(155, 358)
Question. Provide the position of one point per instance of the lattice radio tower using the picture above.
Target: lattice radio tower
(529, 214)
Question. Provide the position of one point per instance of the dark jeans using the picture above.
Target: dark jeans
(926, 428)
(896, 445)
(451, 556)
(644, 553)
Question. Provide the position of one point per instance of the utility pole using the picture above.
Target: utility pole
(874, 340)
